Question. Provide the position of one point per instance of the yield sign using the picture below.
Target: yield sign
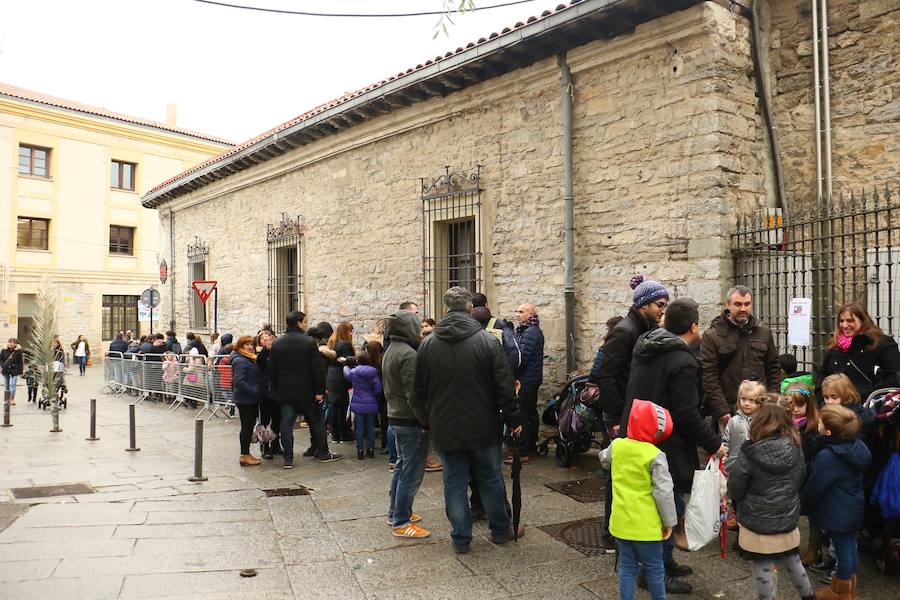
(204, 289)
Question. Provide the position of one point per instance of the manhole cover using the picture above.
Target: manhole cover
(46, 491)
(586, 535)
(300, 491)
(583, 490)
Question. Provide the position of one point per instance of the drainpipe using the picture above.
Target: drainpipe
(568, 93)
(817, 94)
(826, 102)
(171, 270)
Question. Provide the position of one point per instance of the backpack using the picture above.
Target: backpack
(504, 334)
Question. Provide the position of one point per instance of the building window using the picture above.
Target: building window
(121, 240)
(197, 254)
(34, 161)
(33, 234)
(451, 221)
(119, 314)
(285, 288)
(123, 175)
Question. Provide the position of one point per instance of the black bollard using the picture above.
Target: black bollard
(132, 447)
(6, 415)
(93, 435)
(198, 451)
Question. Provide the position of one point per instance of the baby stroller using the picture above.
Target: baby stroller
(578, 420)
(883, 480)
(58, 369)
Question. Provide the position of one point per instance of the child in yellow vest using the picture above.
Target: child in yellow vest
(643, 507)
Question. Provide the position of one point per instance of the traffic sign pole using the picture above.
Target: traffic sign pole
(216, 310)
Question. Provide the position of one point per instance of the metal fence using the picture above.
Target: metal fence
(849, 251)
(179, 380)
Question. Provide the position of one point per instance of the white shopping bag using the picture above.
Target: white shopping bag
(701, 516)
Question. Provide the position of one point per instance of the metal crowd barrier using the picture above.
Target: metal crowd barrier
(221, 397)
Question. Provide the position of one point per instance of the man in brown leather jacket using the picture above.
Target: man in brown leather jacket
(736, 347)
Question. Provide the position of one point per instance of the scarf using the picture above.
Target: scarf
(247, 354)
(532, 321)
(800, 422)
(844, 342)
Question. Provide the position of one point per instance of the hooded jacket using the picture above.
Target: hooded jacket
(664, 371)
(764, 483)
(614, 371)
(731, 353)
(172, 344)
(398, 368)
(643, 493)
(366, 388)
(884, 357)
(833, 495)
(463, 386)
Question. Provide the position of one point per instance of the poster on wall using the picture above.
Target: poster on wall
(144, 312)
(800, 322)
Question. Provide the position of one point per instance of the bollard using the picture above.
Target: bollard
(6, 415)
(93, 435)
(198, 451)
(132, 447)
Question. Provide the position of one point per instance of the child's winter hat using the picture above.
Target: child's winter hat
(646, 291)
(649, 422)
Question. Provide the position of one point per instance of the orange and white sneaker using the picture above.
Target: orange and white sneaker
(414, 518)
(410, 530)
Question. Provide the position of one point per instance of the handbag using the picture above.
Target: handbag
(263, 434)
(701, 515)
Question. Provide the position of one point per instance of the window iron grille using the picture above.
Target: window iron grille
(197, 256)
(284, 242)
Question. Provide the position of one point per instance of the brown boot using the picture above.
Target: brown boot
(838, 590)
(854, 593)
(679, 539)
(810, 555)
(248, 460)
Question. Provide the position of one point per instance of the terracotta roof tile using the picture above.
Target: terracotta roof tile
(25, 94)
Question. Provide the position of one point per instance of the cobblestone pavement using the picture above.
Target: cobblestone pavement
(148, 532)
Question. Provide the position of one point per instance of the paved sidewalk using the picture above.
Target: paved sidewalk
(149, 533)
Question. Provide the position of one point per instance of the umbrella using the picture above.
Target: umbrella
(516, 472)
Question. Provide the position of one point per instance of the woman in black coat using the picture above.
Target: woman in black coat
(269, 410)
(247, 385)
(13, 365)
(338, 388)
(862, 352)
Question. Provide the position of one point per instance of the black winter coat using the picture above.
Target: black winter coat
(336, 381)
(884, 355)
(531, 345)
(613, 375)
(262, 361)
(12, 361)
(665, 371)
(293, 368)
(764, 483)
(118, 346)
(833, 495)
(464, 386)
(246, 380)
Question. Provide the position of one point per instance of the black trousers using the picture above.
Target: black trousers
(270, 415)
(32, 393)
(341, 428)
(249, 414)
(528, 394)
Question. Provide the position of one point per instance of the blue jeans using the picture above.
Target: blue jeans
(365, 432)
(82, 363)
(847, 555)
(411, 445)
(669, 544)
(10, 385)
(392, 445)
(485, 463)
(316, 420)
(649, 557)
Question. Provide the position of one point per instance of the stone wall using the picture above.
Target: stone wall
(865, 93)
(665, 153)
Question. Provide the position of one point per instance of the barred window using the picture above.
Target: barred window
(285, 287)
(119, 314)
(451, 246)
(197, 255)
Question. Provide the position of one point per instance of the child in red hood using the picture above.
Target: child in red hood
(643, 508)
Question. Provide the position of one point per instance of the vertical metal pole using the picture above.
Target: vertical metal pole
(93, 434)
(151, 315)
(216, 310)
(568, 93)
(198, 451)
(132, 445)
(6, 414)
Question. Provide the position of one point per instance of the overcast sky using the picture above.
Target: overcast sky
(233, 73)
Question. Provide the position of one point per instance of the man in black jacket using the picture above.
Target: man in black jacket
(666, 372)
(463, 387)
(299, 387)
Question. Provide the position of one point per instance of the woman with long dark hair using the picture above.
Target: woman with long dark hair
(860, 350)
(336, 386)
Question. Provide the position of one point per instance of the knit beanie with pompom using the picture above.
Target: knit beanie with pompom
(646, 291)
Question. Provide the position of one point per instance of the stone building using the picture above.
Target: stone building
(457, 171)
(74, 212)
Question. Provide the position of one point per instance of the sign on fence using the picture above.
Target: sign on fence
(800, 322)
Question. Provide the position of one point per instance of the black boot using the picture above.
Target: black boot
(265, 449)
(370, 453)
(360, 454)
(276, 446)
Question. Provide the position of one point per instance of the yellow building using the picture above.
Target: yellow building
(70, 186)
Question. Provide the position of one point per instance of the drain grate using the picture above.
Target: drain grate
(583, 490)
(297, 491)
(46, 491)
(585, 535)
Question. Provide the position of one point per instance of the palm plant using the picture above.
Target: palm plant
(41, 346)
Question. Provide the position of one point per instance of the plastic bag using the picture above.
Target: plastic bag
(262, 433)
(701, 515)
(886, 493)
